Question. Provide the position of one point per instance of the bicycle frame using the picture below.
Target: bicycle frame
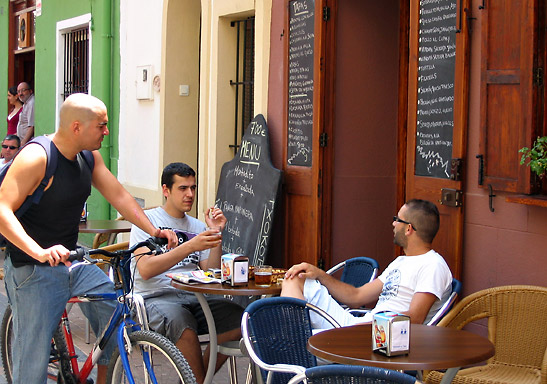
(119, 322)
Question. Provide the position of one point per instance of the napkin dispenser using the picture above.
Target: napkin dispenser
(234, 269)
(391, 333)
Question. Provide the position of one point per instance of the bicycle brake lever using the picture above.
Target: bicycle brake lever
(155, 243)
(78, 263)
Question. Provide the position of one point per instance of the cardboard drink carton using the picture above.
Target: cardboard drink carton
(235, 269)
(391, 333)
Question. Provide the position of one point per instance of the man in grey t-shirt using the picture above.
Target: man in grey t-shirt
(25, 127)
(172, 312)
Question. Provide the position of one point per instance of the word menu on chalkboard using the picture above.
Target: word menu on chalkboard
(301, 54)
(436, 74)
(247, 194)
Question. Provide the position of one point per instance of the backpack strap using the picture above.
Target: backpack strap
(89, 159)
(52, 153)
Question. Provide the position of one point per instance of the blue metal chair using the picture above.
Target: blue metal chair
(352, 374)
(357, 271)
(456, 290)
(275, 332)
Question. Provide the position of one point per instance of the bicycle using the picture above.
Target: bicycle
(142, 356)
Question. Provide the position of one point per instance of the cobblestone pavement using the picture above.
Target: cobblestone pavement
(78, 327)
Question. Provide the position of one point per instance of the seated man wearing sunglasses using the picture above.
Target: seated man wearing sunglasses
(415, 284)
(10, 146)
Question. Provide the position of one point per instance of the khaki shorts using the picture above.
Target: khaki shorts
(171, 313)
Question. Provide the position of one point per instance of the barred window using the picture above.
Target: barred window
(76, 62)
(244, 77)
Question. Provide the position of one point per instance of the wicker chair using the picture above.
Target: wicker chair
(101, 238)
(517, 325)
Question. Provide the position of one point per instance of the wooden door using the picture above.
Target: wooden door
(437, 117)
(302, 152)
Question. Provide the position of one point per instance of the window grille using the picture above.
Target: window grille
(76, 62)
(244, 77)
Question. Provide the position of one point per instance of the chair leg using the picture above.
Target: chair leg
(251, 374)
(232, 369)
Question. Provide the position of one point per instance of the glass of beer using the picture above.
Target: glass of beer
(263, 275)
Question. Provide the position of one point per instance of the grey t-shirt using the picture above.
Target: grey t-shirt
(26, 118)
(160, 218)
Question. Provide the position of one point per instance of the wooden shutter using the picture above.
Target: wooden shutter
(508, 91)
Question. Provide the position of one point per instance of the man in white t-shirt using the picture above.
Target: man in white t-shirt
(415, 284)
(172, 312)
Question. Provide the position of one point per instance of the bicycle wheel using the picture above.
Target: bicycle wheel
(58, 354)
(59, 361)
(168, 363)
(6, 338)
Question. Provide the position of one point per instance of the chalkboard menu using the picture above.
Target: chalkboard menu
(247, 194)
(436, 72)
(301, 53)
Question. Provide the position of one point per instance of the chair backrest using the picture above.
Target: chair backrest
(357, 271)
(275, 331)
(447, 306)
(518, 324)
(355, 374)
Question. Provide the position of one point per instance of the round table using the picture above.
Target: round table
(430, 348)
(110, 227)
(104, 226)
(249, 289)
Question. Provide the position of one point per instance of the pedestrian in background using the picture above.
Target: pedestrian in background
(25, 128)
(13, 116)
(10, 146)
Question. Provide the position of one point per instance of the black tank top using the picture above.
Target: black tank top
(55, 219)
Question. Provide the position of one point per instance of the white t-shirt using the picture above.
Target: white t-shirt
(3, 163)
(160, 218)
(407, 275)
(402, 278)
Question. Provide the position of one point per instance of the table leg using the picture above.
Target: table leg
(449, 375)
(213, 345)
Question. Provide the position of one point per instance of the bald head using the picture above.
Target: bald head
(80, 107)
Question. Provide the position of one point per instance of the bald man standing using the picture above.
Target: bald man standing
(37, 279)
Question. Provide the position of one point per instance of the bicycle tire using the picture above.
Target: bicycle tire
(169, 363)
(6, 334)
(61, 357)
(58, 354)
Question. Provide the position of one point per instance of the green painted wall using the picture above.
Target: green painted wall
(4, 20)
(104, 73)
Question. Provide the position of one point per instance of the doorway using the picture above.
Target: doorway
(364, 131)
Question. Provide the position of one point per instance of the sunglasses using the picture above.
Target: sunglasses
(9, 146)
(23, 90)
(399, 220)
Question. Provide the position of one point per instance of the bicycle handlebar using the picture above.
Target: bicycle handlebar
(152, 243)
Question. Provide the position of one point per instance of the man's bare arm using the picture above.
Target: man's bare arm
(153, 265)
(419, 306)
(342, 292)
(117, 195)
(24, 176)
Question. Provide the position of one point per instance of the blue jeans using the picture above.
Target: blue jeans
(38, 295)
